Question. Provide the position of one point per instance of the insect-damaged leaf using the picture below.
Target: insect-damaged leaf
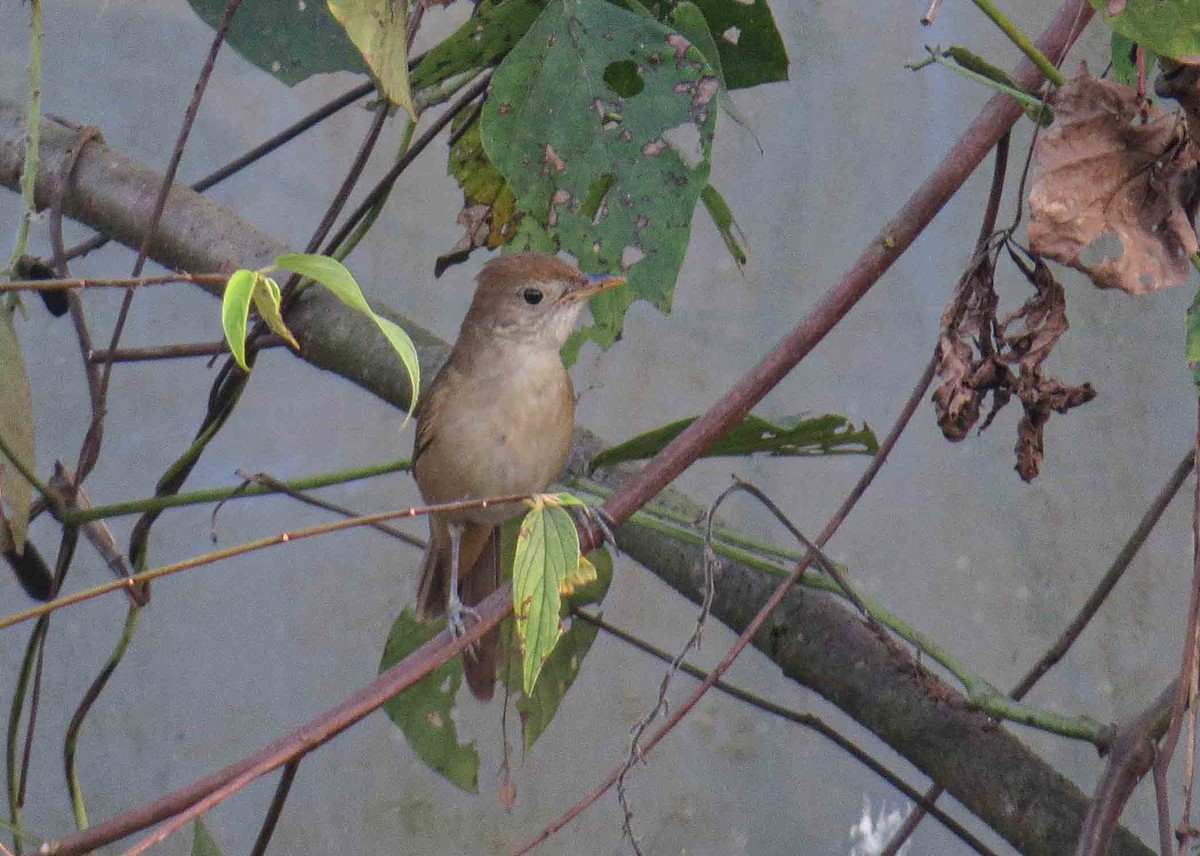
(1167, 28)
(424, 711)
(1110, 193)
(830, 434)
(555, 127)
(16, 427)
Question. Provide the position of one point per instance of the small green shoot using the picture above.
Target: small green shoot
(242, 289)
(247, 286)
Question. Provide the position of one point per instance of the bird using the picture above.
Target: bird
(496, 421)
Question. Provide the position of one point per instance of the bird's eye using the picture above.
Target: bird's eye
(532, 296)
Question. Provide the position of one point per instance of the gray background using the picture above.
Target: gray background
(236, 654)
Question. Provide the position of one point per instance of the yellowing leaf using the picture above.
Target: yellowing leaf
(547, 550)
(267, 300)
(16, 427)
(379, 29)
(582, 575)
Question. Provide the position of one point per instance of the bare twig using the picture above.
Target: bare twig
(282, 487)
(1188, 658)
(807, 720)
(175, 352)
(1130, 756)
(92, 442)
(248, 547)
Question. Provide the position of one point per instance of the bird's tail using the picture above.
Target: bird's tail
(479, 576)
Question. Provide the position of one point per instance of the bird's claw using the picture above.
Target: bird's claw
(457, 614)
(604, 523)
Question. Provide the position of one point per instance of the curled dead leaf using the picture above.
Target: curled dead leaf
(976, 353)
(1114, 190)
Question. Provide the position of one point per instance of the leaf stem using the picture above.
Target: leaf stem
(1022, 41)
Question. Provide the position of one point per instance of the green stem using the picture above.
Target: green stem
(216, 494)
(70, 745)
(1035, 104)
(33, 132)
(1022, 41)
(981, 694)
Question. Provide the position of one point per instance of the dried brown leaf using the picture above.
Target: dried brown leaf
(1110, 186)
(976, 352)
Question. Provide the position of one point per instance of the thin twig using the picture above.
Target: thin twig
(249, 547)
(885, 448)
(384, 185)
(1188, 658)
(95, 436)
(807, 720)
(282, 487)
(1066, 639)
(175, 352)
(68, 283)
(258, 152)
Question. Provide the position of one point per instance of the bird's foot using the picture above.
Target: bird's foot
(603, 522)
(457, 614)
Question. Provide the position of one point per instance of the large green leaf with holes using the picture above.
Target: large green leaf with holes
(601, 122)
(1169, 28)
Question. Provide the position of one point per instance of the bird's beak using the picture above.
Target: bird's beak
(591, 284)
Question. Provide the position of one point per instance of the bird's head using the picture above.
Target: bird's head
(532, 298)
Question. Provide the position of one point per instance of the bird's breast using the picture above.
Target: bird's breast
(498, 429)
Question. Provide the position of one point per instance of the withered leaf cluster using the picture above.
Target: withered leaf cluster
(980, 354)
(1114, 188)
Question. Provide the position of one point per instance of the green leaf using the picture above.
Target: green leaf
(547, 550)
(830, 434)
(337, 278)
(751, 48)
(202, 841)
(554, 128)
(330, 273)
(537, 708)
(731, 232)
(1124, 65)
(1169, 28)
(1193, 337)
(290, 39)
(379, 29)
(16, 427)
(267, 300)
(487, 35)
(424, 711)
(235, 310)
